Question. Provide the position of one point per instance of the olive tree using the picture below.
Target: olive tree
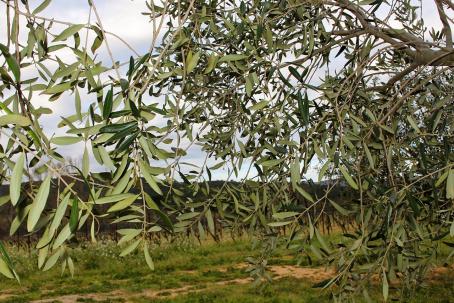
(362, 88)
(286, 83)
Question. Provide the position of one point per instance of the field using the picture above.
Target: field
(186, 272)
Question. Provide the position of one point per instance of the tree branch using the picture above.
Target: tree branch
(449, 4)
(399, 76)
(424, 53)
(444, 20)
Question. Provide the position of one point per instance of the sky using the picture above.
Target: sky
(125, 19)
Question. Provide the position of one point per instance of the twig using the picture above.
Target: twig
(92, 4)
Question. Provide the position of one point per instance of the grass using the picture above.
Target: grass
(294, 290)
(100, 269)
(283, 290)
(201, 270)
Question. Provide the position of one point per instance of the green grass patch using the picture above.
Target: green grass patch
(202, 270)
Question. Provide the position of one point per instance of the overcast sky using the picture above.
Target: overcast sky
(124, 18)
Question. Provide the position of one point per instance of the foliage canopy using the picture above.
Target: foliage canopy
(270, 87)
